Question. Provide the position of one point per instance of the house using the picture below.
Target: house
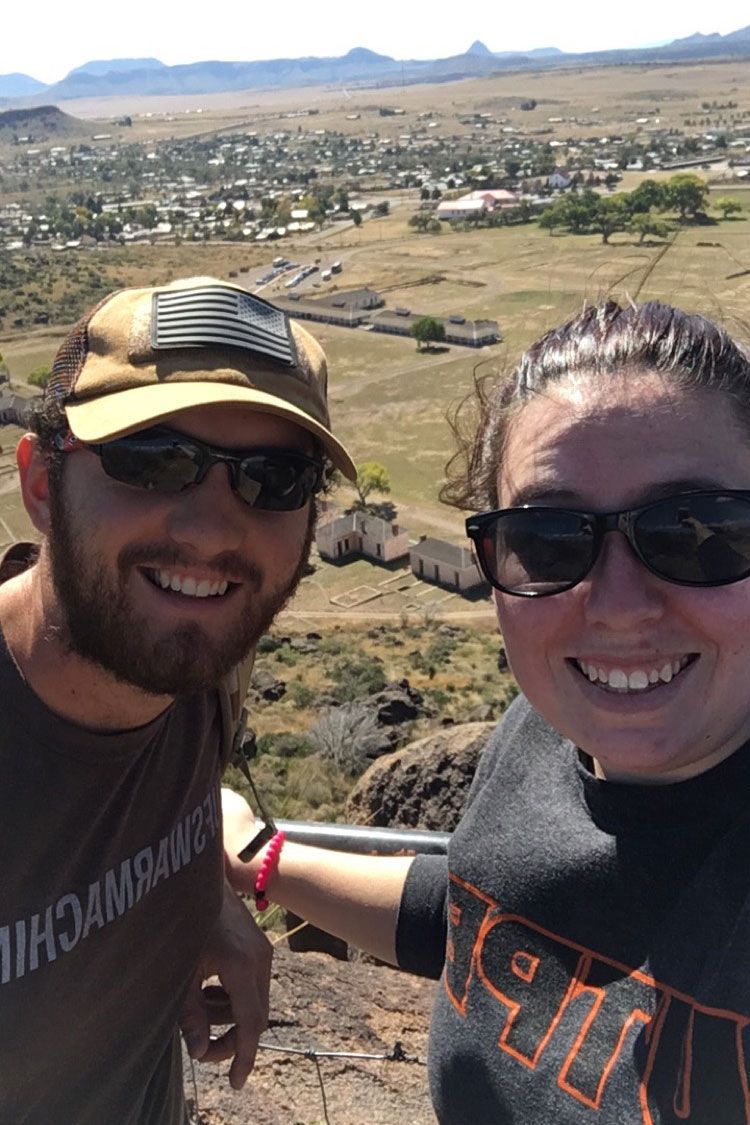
(458, 330)
(13, 410)
(560, 180)
(358, 533)
(445, 564)
(494, 197)
(452, 209)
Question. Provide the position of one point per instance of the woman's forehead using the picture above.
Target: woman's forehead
(608, 441)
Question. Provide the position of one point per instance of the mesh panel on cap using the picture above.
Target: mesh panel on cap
(71, 356)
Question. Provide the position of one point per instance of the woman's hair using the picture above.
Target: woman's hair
(606, 339)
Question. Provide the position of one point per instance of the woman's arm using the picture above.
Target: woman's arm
(355, 897)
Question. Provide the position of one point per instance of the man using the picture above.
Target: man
(171, 477)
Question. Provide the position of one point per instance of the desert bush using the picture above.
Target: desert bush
(356, 679)
(344, 736)
(301, 694)
(284, 744)
(269, 643)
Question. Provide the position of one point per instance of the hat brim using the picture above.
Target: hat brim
(123, 412)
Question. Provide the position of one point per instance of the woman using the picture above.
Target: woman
(591, 925)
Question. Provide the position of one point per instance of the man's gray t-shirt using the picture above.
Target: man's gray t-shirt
(111, 877)
(595, 939)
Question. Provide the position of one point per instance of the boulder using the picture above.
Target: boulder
(264, 685)
(398, 702)
(423, 785)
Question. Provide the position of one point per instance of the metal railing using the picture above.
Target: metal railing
(363, 839)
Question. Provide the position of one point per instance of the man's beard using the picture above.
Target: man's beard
(101, 625)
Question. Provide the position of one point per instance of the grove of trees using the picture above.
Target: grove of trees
(641, 211)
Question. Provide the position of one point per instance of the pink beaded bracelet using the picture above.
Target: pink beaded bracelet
(270, 859)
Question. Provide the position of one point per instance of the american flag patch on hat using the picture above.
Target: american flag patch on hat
(222, 316)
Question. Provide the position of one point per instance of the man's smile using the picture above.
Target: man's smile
(187, 584)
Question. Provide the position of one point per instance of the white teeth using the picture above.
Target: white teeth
(619, 681)
(188, 586)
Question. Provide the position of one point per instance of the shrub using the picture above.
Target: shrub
(301, 695)
(269, 643)
(344, 737)
(356, 679)
(284, 744)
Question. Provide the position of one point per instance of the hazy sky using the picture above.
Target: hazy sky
(50, 37)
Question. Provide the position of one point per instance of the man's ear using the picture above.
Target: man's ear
(33, 472)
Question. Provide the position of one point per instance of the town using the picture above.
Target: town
(262, 184)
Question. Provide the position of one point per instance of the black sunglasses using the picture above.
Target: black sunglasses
(164, 461)
(694, 539)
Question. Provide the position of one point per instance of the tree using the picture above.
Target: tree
(427, 330)
(648, 195)
(647, 223)
(356, 218)
(580, 210)
(421, 221)
(371, 477)
(554, 216)
(40, 376)
(728, 206)
(687, 193)
(610, 215)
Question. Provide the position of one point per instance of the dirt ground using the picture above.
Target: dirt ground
(327, 1005)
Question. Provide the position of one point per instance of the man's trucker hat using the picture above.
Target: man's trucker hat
(142, 354)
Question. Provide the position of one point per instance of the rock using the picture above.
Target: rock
(317, 1002)
(423, 785)
(482, 713)
(448, 631)
(304, 644)
(398, 703)
(264, 685)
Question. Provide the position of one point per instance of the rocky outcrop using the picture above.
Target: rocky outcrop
(318, 1003)
(423, 785)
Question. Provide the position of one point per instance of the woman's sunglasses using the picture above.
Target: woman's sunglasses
(694, 539)
(164, 461)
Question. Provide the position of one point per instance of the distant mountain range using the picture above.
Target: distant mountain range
(149, 76)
